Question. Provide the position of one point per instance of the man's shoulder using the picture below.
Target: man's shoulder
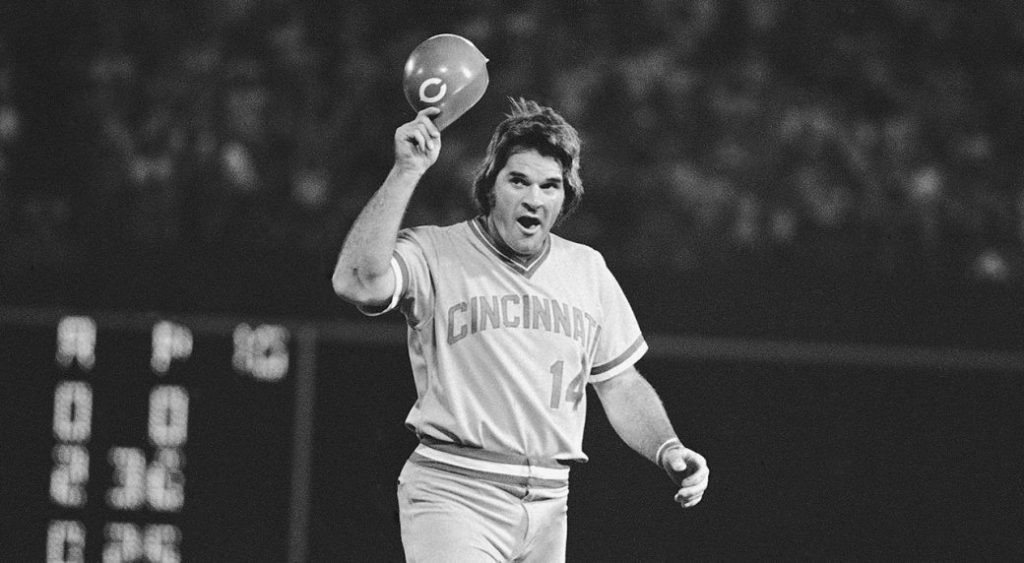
(436, 240)
(576, 250)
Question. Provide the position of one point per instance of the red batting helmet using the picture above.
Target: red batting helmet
(445, 71)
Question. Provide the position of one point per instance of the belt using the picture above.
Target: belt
(478, 463)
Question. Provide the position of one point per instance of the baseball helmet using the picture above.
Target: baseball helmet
(445, 71)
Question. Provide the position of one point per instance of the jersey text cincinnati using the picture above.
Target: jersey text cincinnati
(521, 311)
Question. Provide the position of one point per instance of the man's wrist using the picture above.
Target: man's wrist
(407, 173)
(670, 444)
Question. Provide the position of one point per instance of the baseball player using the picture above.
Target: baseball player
(507, 324)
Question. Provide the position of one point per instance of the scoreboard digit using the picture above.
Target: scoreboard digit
(146, 439)
(137, 484)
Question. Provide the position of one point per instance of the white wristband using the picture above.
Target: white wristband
(669, 444)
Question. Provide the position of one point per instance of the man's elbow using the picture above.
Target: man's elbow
(342, 278)
(349, 286)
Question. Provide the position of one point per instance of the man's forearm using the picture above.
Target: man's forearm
(636, 413)
(366, 253)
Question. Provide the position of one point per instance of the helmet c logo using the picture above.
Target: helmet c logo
(440, 93)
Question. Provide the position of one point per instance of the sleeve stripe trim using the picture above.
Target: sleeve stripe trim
(618, 360)
(401, 274)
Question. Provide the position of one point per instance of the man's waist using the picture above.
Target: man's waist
(486, 464)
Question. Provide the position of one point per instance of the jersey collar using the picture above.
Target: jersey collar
(525, 267)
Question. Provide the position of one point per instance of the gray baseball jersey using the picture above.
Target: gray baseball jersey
(501, 351)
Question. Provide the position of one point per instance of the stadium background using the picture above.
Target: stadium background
(815, 207)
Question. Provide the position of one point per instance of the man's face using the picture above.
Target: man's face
(528, 197)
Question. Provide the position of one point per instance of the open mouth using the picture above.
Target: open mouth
(528, 223)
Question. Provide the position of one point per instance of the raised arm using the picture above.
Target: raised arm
(636, 413)
(363, 274)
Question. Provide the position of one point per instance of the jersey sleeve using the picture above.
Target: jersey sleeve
(413, 287)
(620, 343)
(376, 311)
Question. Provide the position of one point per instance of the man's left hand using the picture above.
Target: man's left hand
(689, 470)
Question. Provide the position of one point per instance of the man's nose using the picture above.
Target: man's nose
(532, 199)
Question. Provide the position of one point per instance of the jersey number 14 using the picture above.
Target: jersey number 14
(576, 390)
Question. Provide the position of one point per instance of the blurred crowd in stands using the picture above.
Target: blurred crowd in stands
(877, 138)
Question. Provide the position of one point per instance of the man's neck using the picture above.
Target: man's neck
(499, 243)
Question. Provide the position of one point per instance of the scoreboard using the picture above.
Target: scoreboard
(153, 439)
